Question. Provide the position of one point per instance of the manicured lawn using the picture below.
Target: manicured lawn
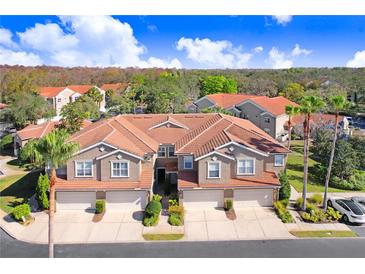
(162, 237)
(323, 234)
(295, 171)
(15, 188)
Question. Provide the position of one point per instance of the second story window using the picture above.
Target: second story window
(84, 168)
(171, 152)
(214, 169)
(279, 160)
(120, 169)
(58, 100)
(267, 120)
(245, 166)
(161, 152)
(188, 162)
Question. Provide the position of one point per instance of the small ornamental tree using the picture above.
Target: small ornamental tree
(42, 190)
(285, 190)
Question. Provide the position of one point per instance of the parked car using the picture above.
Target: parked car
(351, 211)
(360, 201)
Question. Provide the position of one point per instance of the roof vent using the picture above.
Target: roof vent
(214, 158)
(231, 148)
(102, 148)
(119, 156)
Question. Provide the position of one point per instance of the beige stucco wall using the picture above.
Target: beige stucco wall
(280, 122)
(64, 96)
(244, 153)
(104, 167)
(269, 164)
(225, 170)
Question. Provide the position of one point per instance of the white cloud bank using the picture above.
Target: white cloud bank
(258, 49)
(358, 60)
(281, 60)
(282, 19)
(90, 41)
(213, 54)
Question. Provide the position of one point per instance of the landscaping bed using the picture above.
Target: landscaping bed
(163, 237)
(176, 213)
(99, 211)
(324, 233)
(152, 211)
(229, 210)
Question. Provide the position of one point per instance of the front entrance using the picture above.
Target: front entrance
(161, 176)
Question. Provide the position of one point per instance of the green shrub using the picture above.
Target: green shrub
(285, 202)
(314, 214)
(285, 189)
(20, 211)
(228, 204)
(157, 198)
(175, 220)
(153, 208)
(150, 220)
(100, 206)
(176, 210)
(298, 203)
(316, 199)
(332, 214)
(283, 213)
(310, 207)
(173, 202)
(42, 190)
(355, 182)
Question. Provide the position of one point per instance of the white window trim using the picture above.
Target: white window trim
(192, 161)
(254, 166)
(220, 169)
(167, 150)
(84, 176)
(164, 148)
(283, 162)
(111, 169)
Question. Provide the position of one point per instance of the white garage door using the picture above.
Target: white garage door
(252, 197)
(75, 200)
(126, 200)
(199, 199)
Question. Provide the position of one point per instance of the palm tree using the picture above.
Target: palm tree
(309, 105)
(55, 150)
(337, 103)
(291, 111)
(95, 95)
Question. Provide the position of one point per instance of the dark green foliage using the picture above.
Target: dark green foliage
(285, 202)
(100, 206)
(332, 214)
(153, 208)
(176, 215)
(355, 182)
(6, 141)
(42, 191)
(20, 211)
(283, 213)
(285, 189)
(316, 199)
(157, 198)
(228, 204)
(175, 220)
(298, 203)
(150, 220)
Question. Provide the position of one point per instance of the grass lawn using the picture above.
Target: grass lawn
(162, 237)
(324, 233)
(15, 188)
(294, 169)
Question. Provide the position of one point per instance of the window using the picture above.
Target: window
(214, 170)
(161, 152)
(279, 160)
(84, 168)
(188, 162)
(171, 152)
(267, 120)
(246, 167)
(120, 169)
(58, 100)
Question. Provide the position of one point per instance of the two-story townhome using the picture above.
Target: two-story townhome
(57, 97)
(265, 112)
(207, 157)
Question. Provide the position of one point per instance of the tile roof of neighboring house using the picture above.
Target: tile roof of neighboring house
(227, 100)
(201, 134)
(188, 179)
(82, 89)
(114, 87)
(50, 92)
(275, 105)
(2, 105)
(317, 118)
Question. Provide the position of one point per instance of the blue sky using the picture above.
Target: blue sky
(184, 41)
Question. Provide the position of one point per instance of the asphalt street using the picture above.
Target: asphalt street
(300, 248)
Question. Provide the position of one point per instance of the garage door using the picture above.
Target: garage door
(126, 200)
(253, 197)
(199, 199)
(75, 200)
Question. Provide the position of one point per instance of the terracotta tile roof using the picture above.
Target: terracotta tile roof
(317, 118)
(36, 131)
(189, 179)
(226, 100)
(145, 182)
(114, 87)
(50, 92)
(82, 89)
(275, 105)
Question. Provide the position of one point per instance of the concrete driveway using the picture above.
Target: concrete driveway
(251, 223)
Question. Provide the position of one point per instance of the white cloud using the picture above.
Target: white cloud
(297, 51)
(6, 38)
(358, 60)
(278, 59)
(89, 41)
(10, 57)
(213, 54)
(258, 49)
(282, 19)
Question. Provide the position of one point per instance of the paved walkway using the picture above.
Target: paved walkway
(8, 170)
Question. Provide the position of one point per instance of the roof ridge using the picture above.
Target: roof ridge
(200, 132)
(86, 131)
(110, 133)
(47, 125)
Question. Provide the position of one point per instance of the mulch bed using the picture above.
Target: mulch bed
(98, 217)
(231, 214)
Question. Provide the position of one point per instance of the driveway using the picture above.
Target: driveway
(251, 223)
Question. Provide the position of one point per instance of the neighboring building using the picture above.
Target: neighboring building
(207, 158)
(32, 131)
(60, 96)
(265, 112)
(115, 87)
